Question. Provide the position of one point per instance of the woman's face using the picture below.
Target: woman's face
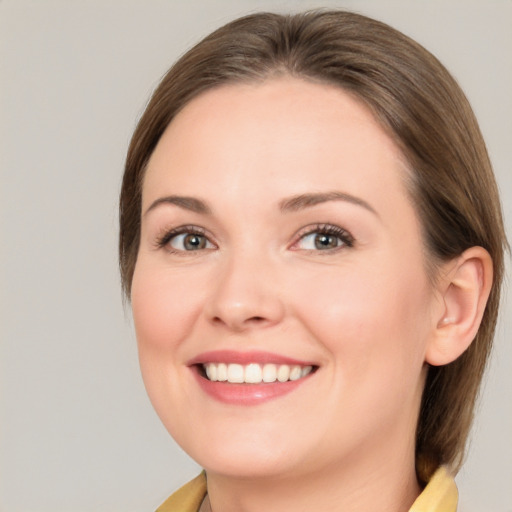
(278, 243)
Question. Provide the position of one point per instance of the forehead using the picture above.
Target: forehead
(289, 132)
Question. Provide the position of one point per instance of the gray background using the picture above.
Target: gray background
(77, 431)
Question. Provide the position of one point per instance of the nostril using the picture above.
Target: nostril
(256, 321)
(240, 323)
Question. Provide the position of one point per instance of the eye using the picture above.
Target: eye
(324, 238)
(320, 241)
(189, 242)
(185, 239)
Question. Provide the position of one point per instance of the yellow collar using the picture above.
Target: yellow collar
(188, 498)
(440, 494)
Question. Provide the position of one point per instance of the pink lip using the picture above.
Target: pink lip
(245, 394)
(232, 356)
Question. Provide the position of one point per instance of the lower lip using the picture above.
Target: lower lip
(247, 394)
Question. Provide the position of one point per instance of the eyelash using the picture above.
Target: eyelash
(322, 229)
(347, 240)
(165, 239)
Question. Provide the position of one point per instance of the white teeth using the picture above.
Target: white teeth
(222, 372)
(283, 373)
(235, 373)
(306, 371)
(295, 373)
(211, 371)
(269, 373)
(254, 373)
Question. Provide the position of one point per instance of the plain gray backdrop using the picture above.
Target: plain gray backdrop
(77, 431)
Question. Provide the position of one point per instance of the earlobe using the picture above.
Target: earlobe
(465, 289)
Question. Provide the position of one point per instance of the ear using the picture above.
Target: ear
(464, 286)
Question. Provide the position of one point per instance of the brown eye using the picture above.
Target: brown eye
(324, 237)
(325, 241)
(189, 242)
(192, 242)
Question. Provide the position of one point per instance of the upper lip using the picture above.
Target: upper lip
(233, 356)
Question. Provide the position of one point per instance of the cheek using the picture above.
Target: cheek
(372, 323)
(164, 312)
(163, 309)
(375, 314)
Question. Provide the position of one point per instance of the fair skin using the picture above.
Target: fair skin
(295, 243)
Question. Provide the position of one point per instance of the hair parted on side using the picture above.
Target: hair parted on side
(419, 104)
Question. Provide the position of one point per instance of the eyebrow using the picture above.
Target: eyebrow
(302, 201)
(291, 204)
(187, 203)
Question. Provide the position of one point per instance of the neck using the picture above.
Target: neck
(390, 487)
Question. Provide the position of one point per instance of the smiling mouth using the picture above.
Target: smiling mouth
(254, 373)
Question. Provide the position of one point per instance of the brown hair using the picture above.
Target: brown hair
(418, 102)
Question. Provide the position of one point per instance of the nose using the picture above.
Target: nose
(246, 295)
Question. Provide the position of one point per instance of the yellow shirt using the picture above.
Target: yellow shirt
(440, 495)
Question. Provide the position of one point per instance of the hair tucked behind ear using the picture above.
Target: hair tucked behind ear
(419, 104)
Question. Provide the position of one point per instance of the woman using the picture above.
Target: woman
(312, 241)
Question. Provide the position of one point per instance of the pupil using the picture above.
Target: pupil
(193, 242)
(325, 241)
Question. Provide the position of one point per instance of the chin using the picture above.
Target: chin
(248, 465)
(247, 455)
